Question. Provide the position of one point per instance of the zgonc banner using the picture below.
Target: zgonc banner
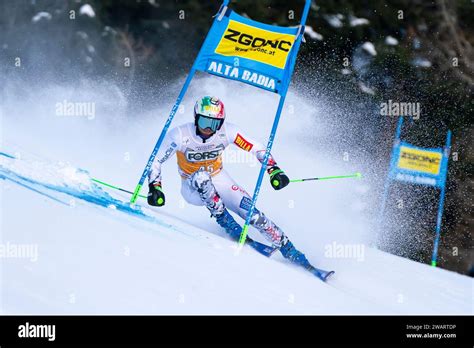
(419, 166)
(241, 49)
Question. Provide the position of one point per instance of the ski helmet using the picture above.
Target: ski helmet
(209, 113)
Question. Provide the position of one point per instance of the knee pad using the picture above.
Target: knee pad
(201, 180)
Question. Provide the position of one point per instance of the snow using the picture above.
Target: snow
(312, 34)
(83, 35)
(87, 10)
(96, 255)
(354, 21)
(416, 43)
(421, 62)
(369, 48)
(41, 15)
(334, 21)
(366, 89)
(391, 41)
(186, 270)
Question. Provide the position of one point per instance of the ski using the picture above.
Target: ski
(268, 251)
(263, 249)
(321, 274)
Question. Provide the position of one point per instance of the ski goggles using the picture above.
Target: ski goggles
(207, 122)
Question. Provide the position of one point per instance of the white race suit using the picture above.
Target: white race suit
(204, 181)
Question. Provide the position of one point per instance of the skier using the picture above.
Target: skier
(199, 148)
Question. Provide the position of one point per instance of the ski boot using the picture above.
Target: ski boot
(289, 252)
(226, 221)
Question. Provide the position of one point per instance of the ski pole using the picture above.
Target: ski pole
(355, 175)
(115, 187)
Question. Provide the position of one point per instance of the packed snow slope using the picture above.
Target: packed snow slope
(90, 252)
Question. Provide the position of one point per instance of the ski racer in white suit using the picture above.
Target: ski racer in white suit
(199, 147)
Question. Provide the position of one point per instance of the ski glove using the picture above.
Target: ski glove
(278, 178)
(156, 197)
